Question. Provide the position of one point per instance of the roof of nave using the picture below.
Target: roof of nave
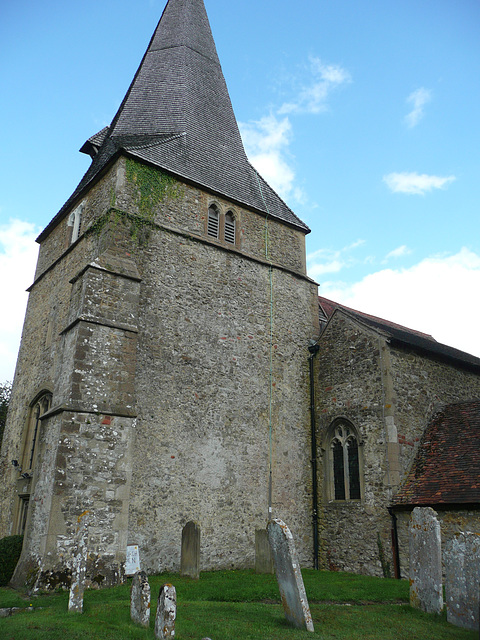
(403, 336)
(446, 470)
(177, 115)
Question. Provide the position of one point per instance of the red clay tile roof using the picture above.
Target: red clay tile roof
(329, 306)
(446, 470)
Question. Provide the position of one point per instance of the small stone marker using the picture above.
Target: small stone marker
(425, 544)
(263, 552)
(140, 599)
(77, 585)
(190, 558)
(132, 563)
(289, 577)
(166, 613)
(462, 578)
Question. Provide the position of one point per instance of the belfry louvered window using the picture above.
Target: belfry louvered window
(344, 463)
(230, 228)
(213, 221)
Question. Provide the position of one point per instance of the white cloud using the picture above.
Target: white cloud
(312, 98)
(418, 99)
(267, 140)
(425, 297)
(331, 261)
(399, 252)
(415, 183)
(266, 143)
(18, 255)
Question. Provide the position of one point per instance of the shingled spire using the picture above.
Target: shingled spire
(177, 115)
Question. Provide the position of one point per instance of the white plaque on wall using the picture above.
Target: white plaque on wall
(132, 565)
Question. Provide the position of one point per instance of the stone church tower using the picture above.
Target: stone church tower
(163, 369)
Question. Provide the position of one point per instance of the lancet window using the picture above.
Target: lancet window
(222, 226)
(213, 223)
(229, 231)
(75, 221)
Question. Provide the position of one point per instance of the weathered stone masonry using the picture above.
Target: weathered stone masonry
(166, 315)
(389, 394)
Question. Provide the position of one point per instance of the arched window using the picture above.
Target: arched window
(230, 227)
(74, 221)
(39, 407)
(344, 462)
(27, 461)
(213, 221)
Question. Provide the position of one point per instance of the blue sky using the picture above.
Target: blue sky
(363, 114)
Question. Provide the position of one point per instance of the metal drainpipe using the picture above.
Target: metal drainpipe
(396, 552)
(313, 349)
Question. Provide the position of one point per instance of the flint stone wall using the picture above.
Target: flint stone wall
(204, 340)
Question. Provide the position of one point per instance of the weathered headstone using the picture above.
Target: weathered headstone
(190, 558)
(462, 578)
(140, 599)
(263, 552)
(289, 577)
(132, 562)
(77, 585)
(166, 613)
(425, 545)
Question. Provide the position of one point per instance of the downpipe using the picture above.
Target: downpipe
(313, 350)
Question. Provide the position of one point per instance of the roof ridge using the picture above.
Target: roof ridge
(377, 318)
(403, 335)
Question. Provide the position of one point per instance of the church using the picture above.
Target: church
(177, 364)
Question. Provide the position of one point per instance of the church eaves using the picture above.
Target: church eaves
(177, 115)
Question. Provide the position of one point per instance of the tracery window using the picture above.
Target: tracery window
(344, 462)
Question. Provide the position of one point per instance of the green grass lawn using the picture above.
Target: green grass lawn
(234, 605)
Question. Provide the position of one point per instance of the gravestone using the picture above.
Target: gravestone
(140, 599)
(462, 578)
(190, 557)
(263, 552)
(166, 613)
(132, 562)
(289, 577)
(77, 585)
(425, 545)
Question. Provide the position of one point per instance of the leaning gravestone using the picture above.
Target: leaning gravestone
(263, 552)
(166, 613)
(140, 599)
(289, 577)
(462, 578)
(79, 569)
(190, 558)
(425, 544)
